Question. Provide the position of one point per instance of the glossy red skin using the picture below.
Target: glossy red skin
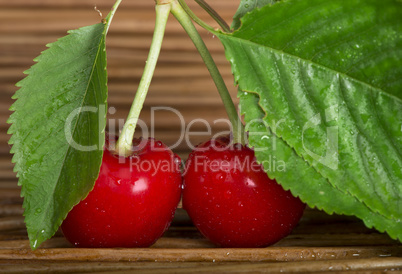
(234, 206)
(129, 206)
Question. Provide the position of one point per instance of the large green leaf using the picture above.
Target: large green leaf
(283, 164)
(328, 78)
(247, 6)
(58, 128)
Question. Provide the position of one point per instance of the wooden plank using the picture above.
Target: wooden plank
(11, 223)
(8, 184)
(315, 239)
(385, 264)
(271, 254)
(15, 266)
(393, 264)
(6, 193)
(196, 241)
(162, 243)
(75, 4)
(10, 210)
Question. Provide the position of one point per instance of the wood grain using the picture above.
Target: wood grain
(351, 266)
(273, 254)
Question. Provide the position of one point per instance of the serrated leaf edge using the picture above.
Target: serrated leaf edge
(11, 129)
(345, 76)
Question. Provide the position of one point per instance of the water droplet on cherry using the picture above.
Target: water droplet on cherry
(221, 177)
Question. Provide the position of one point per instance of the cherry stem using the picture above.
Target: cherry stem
(213, 14)
(124, 144)
(184, 19)
(110, 16)
(190, 13)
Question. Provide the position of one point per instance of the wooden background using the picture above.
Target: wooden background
(320, 243)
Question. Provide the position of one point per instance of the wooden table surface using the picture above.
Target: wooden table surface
(320, 243)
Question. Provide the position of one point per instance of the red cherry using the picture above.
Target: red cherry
(133, 201)
(231, 200)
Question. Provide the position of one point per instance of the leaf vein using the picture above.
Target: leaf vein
(242, 41)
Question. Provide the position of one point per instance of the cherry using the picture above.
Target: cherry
(133, 201)
(231, 200)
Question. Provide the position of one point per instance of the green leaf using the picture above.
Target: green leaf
(328, 78)
(247, 6)
(282, 164)
(58, 128)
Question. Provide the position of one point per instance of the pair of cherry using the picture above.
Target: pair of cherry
(226, 193)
